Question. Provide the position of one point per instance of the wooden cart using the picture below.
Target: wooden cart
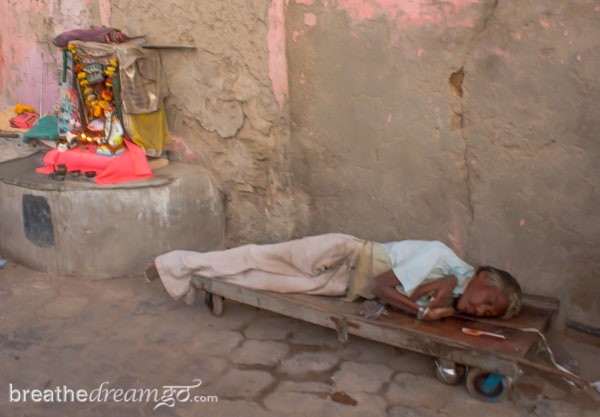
(491, 363)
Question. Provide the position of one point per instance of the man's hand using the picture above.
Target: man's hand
(442, 297)
(440, 291)
(384, 287)
(438, 313)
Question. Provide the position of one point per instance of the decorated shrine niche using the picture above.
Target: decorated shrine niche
(110, 93)
(94, 81)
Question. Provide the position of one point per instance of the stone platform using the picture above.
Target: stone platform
(75, 227)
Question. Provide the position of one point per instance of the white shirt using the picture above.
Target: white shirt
(417, 261)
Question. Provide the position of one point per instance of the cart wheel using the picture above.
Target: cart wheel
(449, 372)
(487, 386)
(208, 299)
(214, 303)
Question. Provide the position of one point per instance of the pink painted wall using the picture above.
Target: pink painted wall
(410, 13)
(30, 66)
(276, 44)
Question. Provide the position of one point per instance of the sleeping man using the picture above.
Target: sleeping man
(423, 278)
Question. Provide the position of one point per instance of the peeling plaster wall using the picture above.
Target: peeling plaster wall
(229, 100)
(469, 121)
(474, 122)
(531, 120)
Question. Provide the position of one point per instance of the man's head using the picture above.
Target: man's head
(491, 292)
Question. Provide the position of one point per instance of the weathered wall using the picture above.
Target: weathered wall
(469, 121)
(229, 100)
(29, 64)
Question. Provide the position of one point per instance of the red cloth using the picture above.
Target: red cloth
(130, 165)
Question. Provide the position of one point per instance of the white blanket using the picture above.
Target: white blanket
(319, 264)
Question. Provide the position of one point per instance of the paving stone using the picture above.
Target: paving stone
(227, 408)
(180, 312)
(46, 366)
(271, 328)
(552, 408)
(167, 331)
(5, 294)
(206, 368)
(367, 405)
(529, 390)
(131, 326)
(406, 411)
(163, 411)
(157, 367)
(37, 332)
(309, 404)
(63, 306)
(415, 390)
(122, 289)
(236, 383)
(35, 285)
(405, 361)
(53, 410)
(313, 335)
(362, 350)
(97, 315)
(28, 302)
(264, 353)
(12, 317)
(308, 363)
(319, 405)
(213, 342)
(109, 348)
(360, 377)
(117, 410)
(11, 364)
(314, 387)
(71, 286)
(149, 304)
(455, 400)
(85, 372)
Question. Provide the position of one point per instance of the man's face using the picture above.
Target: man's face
(481, 299)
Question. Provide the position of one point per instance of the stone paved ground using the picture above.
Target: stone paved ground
(58, 332)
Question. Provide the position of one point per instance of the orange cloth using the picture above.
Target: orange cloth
(130, 165)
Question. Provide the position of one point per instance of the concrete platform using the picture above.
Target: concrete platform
(75, 227)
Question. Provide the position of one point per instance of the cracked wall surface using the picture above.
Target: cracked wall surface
(473, 122)
(470, 122)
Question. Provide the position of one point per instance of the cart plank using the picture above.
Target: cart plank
(442, 338)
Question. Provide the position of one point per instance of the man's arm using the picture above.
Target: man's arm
(384, 287)
(440, 291)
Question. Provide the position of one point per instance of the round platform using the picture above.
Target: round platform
(75, 227)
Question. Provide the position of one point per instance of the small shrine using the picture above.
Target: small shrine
(110, 115)
(103, 208)
(110, 91)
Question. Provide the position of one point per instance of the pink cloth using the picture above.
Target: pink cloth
(130, 165)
